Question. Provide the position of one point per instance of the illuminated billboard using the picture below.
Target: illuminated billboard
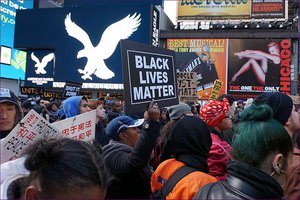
(231, 9)
(206, 57)
(13, 61)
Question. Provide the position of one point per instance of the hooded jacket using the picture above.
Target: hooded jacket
(129, 165)
(71, 106)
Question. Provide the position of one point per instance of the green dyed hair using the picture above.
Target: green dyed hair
(259, 135)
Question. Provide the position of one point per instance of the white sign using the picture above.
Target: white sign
(80, 127)
(31, 128)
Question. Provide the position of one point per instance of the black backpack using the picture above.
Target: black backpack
(171, 182)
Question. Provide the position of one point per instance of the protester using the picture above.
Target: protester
(128, 153)
(175, 113)
(283, 109)
(10, 111)
(229, 134)
(189, 145)
(292, 188)
(77, 105)
(261, 152)
(215, 114)
(64, 169)
(116, 109)
(53, 111)
(27, 105)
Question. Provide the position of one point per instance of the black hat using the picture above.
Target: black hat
(28, 104)
(280, 103)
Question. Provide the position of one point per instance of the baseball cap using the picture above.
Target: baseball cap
(120, 124)
(8, 96)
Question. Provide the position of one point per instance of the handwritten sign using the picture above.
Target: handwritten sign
(216, 89)
(187, 84)
(31, 128)
(80, 127)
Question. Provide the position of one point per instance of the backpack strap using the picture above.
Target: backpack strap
(174, 179)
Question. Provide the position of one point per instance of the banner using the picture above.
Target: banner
(31, 128)
(187, 84)
(262, 9)
(217, 10)
(37, 91)
(80, 127)
(258, 65)
(148, 74)
(206, 57)
(232, 9)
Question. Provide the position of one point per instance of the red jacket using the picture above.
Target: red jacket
(219, 156)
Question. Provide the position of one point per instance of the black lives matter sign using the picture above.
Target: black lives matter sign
(148, 74)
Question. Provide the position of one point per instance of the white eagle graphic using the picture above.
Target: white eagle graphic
(109, 40)
(41, 65)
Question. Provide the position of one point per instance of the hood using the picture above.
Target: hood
(71, 106)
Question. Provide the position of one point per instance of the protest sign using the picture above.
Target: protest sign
(71, 89)
(187, 83)
(31, 128)
(148, 73)
(215, 91)
(80, 127)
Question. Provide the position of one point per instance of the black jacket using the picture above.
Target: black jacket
(243, 182)
(130, 165)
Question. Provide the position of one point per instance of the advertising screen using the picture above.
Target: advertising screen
(259, 65)
(206, 57)
(13, 61)
(231, 9)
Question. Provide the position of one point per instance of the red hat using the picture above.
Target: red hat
(214, 111)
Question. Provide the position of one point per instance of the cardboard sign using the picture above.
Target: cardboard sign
(31, 128)
(80, 127)
(148, 73)
(187, 84)
(216, 89)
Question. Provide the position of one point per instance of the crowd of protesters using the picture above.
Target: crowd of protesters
(223, 149)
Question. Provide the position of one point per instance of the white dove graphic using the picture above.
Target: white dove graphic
(41, 65)
(109, 40)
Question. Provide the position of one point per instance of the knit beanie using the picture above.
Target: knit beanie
(280, 103)
(177, 111)
(213, 112)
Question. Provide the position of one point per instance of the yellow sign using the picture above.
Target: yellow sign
(216, 89)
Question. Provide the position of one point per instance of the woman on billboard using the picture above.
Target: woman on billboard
(259, 61)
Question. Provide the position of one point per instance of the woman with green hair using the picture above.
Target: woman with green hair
(261, 152)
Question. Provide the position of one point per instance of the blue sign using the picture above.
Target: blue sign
(16, 68)
(86, 40)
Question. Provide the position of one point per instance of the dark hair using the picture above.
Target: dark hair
(65, 165)
(259, 135)
(229, 97)
(49, 106)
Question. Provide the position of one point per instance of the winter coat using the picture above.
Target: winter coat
(243, 182)
(219, 156)
(130, 166)
(187, 187)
